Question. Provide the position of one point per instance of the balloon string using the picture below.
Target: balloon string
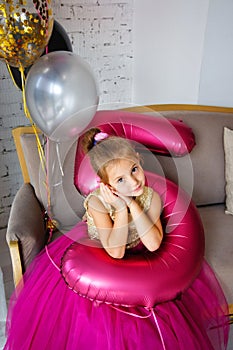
(47, 180)
(130, 313)
(50, 223)
(51, 259)
(159, 329)
(59, 159)
(27, 113)
(152, 312)
(43, 161)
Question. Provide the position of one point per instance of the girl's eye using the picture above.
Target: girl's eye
(120, 180)
(135, 168)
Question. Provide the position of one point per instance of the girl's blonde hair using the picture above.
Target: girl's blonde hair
(105, 152)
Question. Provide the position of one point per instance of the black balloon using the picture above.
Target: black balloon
(59, 41)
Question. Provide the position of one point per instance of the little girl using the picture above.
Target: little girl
(123, 214)
(122, 211)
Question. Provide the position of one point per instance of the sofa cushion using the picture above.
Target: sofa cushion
(228, 148)
(219, 248)
(26, 224)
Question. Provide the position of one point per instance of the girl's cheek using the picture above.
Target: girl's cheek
(119, 188)
(123, 189)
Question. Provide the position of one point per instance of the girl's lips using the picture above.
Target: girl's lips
(137, 189)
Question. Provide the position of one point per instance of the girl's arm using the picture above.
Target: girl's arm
(148, 223)
(113, 235)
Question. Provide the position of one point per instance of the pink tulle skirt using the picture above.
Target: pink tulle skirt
(47, 315)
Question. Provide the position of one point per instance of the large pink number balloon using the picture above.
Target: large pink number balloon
(144, 279)
(158, 134)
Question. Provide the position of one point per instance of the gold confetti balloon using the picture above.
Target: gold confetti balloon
(25, 29)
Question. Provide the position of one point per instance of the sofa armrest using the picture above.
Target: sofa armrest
(26, 229)
(15, 261)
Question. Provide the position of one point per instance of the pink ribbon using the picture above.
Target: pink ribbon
(152, 313)
(100, 136)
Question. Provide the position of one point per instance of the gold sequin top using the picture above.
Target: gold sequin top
(144, 200)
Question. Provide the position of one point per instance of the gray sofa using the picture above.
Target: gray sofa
(201, 173)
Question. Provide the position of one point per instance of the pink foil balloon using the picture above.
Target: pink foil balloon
(144, 279)
(158, 134)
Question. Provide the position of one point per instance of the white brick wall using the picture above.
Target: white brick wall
(11, 115)
(101, 33)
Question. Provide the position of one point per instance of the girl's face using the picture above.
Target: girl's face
(126, 177)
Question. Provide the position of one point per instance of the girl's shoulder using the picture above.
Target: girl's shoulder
(89, 196)
(95, 199)
(145, 198)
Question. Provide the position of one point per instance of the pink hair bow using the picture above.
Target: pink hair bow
(99, 137)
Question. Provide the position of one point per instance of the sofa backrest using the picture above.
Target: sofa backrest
(201, 173)
(207, 157)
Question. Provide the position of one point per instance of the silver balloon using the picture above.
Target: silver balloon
(61, 95)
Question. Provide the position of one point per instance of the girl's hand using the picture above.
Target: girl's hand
(111, 197)
(127, 199)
